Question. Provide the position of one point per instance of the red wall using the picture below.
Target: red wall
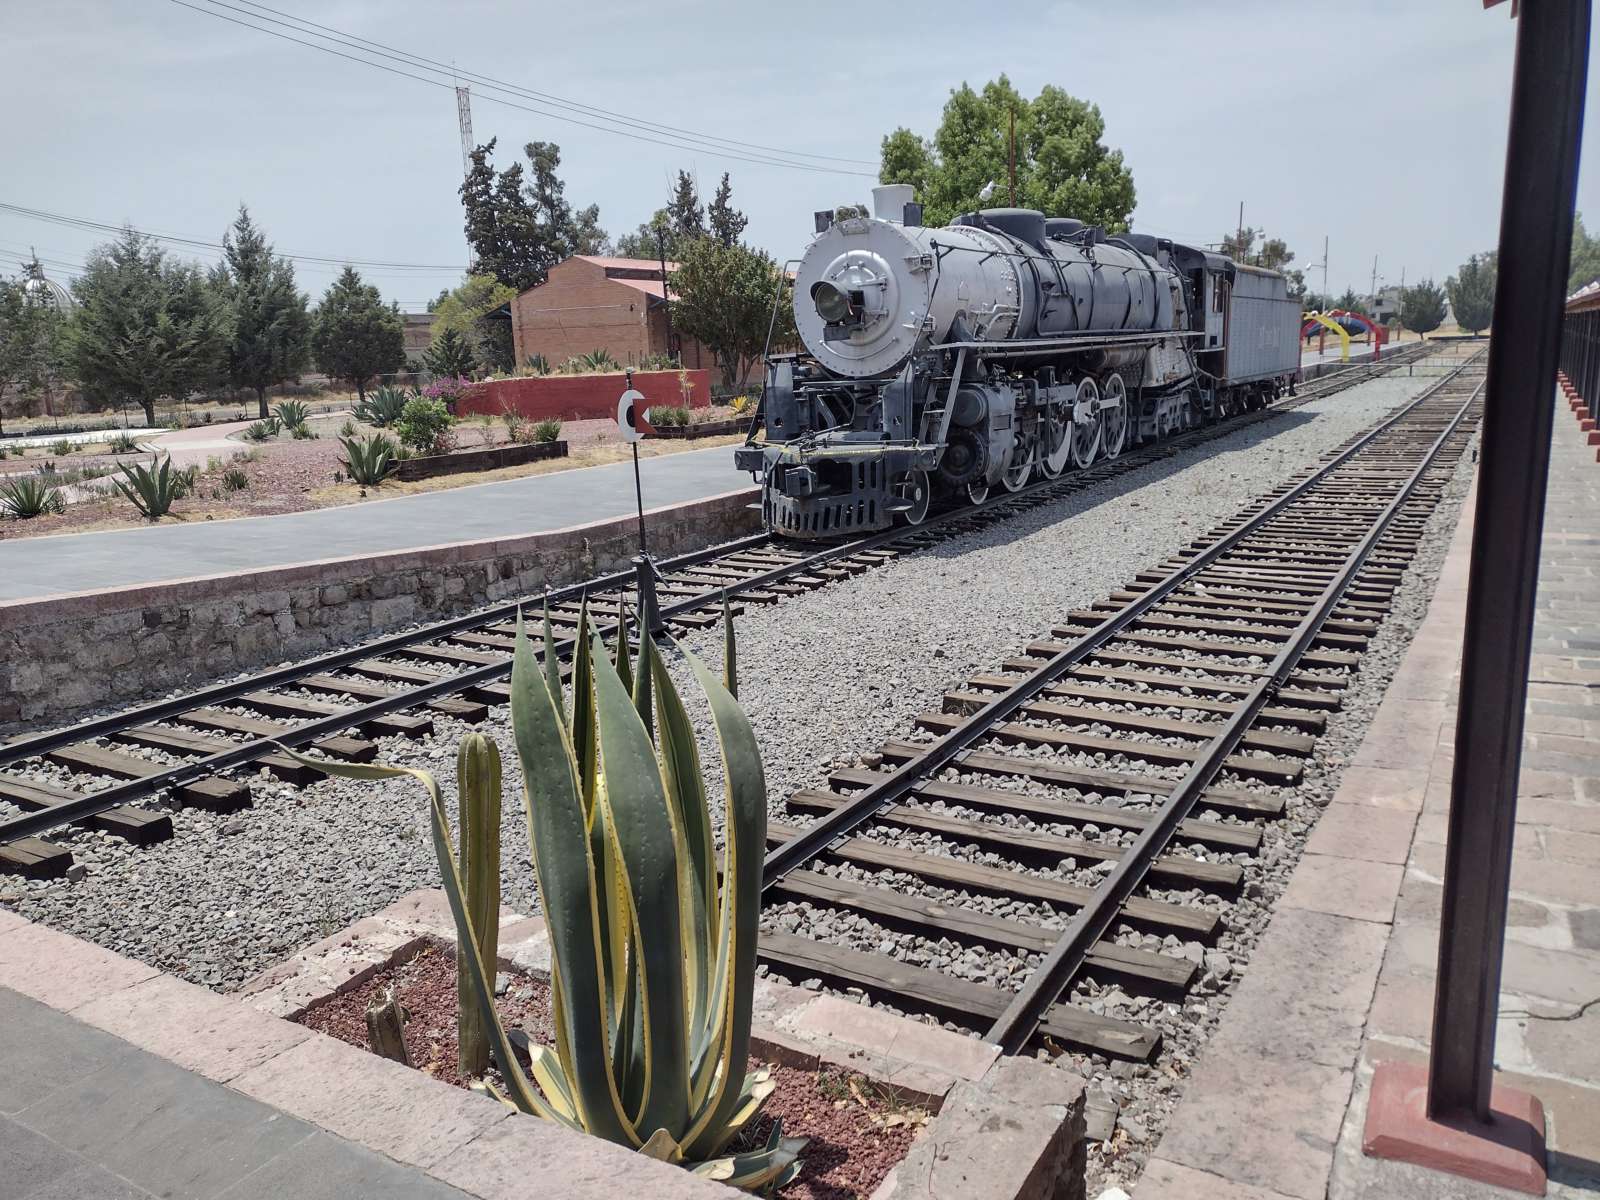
(577, 397)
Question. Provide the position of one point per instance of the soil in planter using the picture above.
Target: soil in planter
(858, 1132)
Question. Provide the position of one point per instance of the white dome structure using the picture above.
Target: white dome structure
(44, 291)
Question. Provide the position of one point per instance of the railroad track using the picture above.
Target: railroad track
(193, 749)
(1082, 816)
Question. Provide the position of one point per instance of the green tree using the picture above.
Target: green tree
(726, 222)
(1063, 168)
(724, 299)
(686, 216)
(355, 336)
(1422, 307)
(519, 224)
(18, 334)
(1584, 264)
(642, 242)
(1472, 291)
(268, 324)
(469, 311)
(145, 326)
(450, 356)
(1351, 302)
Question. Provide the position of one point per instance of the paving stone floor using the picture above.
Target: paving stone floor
(1344, 978)
(85, 1115)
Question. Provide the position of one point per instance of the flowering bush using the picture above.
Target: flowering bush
(448, 390)
(424, 425)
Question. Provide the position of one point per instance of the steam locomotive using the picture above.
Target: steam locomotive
(941, 365)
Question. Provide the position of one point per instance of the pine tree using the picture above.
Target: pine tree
(355, 336)
(144, 327)
(268, 321)
(1472, 292)
(519, 224)
(450, 356)
(727, 222)
(686, 217)
(1422, 307)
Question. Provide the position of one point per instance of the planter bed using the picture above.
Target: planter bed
(858, 1132)
(457, 461)
(704, 429)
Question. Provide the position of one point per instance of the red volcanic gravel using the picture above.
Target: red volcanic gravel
(857, 1134)
(426, 987)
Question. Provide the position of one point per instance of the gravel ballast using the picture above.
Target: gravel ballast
(825, 676)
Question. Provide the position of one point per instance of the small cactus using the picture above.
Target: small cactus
(478, 787)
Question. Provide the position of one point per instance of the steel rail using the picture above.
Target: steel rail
(1014, 1027)
(897, 784)
(31, 824)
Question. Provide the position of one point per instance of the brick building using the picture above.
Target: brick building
(590, 302)
(418, 333)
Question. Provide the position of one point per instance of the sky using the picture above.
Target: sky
(1379, 126)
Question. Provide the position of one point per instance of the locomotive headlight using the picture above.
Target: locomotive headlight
(833, 302)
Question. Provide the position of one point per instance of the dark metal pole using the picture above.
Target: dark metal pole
(644, 570)
(1535, 240)
(666, 306)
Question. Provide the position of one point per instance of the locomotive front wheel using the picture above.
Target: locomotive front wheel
(1114, 417)
(1086, 432)
(912, 490)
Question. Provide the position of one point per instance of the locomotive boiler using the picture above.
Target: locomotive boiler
(941, 365)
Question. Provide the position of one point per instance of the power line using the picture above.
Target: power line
(673, 141)
(353, 39)
(217, 247)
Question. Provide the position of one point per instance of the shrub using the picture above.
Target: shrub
(600, 360)
(151, 489)
(303, 432)
(448, 391)
(348, 429)
(424, 425)
(516, 424)
(292, 413)
(536, 364)
(382, 407)
(668, 416)
(63, 447)
(124, 443)
(30, 496)
(234, 480)
(628, 873)
(740, 404)
(183, 482)
(369, 460)
(546, 431)
(274, 426)
(658, 362)
(258, 432)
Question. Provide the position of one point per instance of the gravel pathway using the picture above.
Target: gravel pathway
(826, 676)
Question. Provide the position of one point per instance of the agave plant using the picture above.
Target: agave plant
(124, 443)
(599, 360)
(30, 496)
(151, 489)
(547, 430)
(653, 946)
(369, 460)
(292, 413)
(383, 406)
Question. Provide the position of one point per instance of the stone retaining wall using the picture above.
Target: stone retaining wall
(61, 655)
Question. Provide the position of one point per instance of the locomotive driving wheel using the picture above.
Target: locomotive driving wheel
(1055, 430)
(1114, 417)
(1085, 439)
(912, 491)
(977, 493)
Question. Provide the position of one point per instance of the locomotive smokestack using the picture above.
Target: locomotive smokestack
(889, 201)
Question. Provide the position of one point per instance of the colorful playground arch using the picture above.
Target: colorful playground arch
(1340, 320)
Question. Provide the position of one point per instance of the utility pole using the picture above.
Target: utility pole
(1374, 278)
(1012, 143)
(1325, 266)
(1238, 245)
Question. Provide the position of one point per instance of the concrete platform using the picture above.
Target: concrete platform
(1343, 978)
(31, 568)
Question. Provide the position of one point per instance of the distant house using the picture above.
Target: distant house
(1386, 305)
(591, 302)
(418, 333)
